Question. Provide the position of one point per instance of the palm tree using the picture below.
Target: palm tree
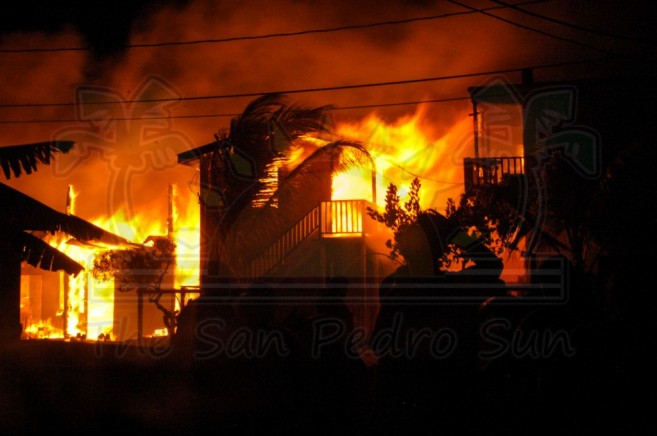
(262, 138)
(263, 133)
(242, 156)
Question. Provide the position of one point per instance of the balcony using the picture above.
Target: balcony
(491, 170)
(329, 219)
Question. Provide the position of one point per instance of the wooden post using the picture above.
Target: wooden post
(10, 291)
(140, 317)
(65, 288)
(170, 213)
(475, 121)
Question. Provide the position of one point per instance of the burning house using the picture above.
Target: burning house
(270, 214)
(284, 203)
(94, 285)
(283, 199)
(68, 278)
(23, 221)
(126, 291)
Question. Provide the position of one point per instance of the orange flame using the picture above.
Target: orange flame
(187, 234)
(402, 150)
(405, 149)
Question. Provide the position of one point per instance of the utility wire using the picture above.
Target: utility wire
(567, 24)
(191, 116)
(310, 90)
(445, 182)
(267, 35)
(531, 29)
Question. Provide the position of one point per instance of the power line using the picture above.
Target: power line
(567, 24)
(531, 29)
(288, 91)
(77, 120)
(446, 182)
(406, 170)
(267, 35)
(225, 115)
(311, 90)
(405, 103)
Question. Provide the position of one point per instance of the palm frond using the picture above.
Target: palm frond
(25, 157)
(341, 154)
(251, 131)
(265, 131)
(258, 111)
(297, 120)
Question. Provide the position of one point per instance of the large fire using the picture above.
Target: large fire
(402, 150)
(405, 149)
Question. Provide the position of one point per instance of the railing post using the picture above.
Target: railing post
(140, 317)
(468, 173)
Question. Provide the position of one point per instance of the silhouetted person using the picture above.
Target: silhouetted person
(333, 313)
(425, 333)
(338, 386)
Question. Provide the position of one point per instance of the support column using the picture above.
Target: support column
(10, 291)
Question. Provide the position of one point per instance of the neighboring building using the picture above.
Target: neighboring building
(301, 245)
(520, 130)
(21, 219)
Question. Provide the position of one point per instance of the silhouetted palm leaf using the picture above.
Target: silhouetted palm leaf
(297, 121)
(25, 157)
(265, 131)
(253, 126)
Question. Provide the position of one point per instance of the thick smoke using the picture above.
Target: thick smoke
(130, 164)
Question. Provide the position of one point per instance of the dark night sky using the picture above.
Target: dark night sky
(105, 25)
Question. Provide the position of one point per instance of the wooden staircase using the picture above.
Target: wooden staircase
(329, 219)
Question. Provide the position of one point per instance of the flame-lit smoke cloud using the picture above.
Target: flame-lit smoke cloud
(440, 47)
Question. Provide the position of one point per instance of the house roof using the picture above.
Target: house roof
(41, 255)
(195, 154)
(20, 213)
